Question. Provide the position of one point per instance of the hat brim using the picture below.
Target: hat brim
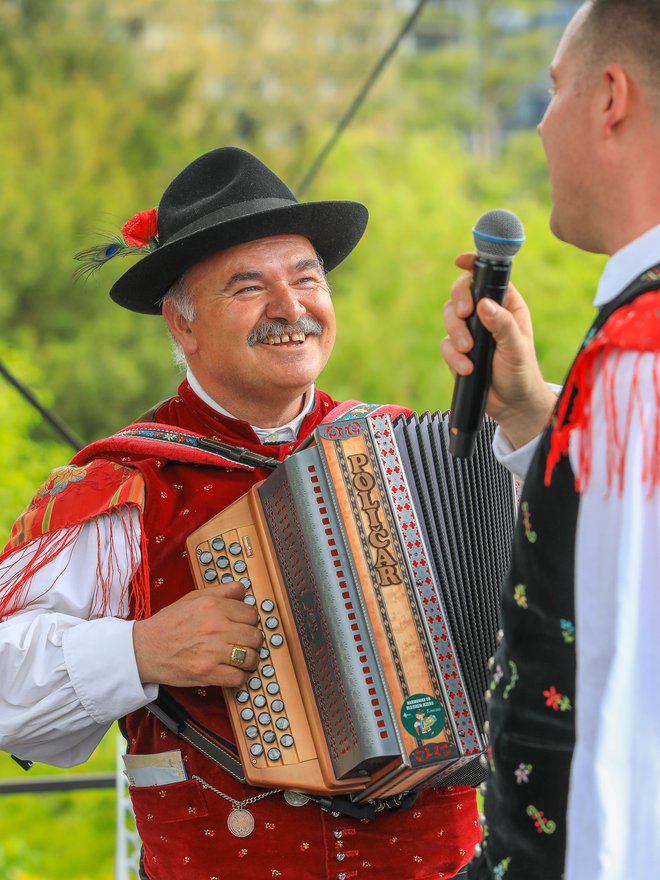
(334, 228)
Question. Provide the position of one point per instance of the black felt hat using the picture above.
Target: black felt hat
(224, 198)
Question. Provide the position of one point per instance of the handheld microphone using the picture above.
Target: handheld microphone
(498, 236)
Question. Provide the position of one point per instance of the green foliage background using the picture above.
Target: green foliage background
(89, 135)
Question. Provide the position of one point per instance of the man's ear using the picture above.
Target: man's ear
(615, 98)
(180, 327)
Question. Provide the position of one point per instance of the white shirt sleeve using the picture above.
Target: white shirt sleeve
(65, 677)
(614, 802)
(515, 460)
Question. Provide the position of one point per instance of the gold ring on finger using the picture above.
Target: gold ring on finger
(238, 655)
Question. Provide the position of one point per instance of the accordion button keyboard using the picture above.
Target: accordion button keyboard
(266, 729)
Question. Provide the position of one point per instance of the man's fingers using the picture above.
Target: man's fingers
(459, 364)
(249, 636)
(227, 599)
(465, 261)
(501, 322)
(461, 302)
(242, 656)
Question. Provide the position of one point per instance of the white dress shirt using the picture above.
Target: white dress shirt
(614, 799)
(282, 434)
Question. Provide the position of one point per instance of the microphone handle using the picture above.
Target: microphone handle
(490, 278)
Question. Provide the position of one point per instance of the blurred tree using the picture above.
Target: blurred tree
(275, 86)
(24, 462)
(100, 105)
(473, 62)
(84, 143)
(424, 195)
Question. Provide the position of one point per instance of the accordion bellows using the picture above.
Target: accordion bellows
(375, 559)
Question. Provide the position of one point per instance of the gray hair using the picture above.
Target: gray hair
(180, 295)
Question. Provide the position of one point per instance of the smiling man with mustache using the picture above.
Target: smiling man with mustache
(96, 592)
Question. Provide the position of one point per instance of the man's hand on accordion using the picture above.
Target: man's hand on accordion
(192, 642)
(518, 398)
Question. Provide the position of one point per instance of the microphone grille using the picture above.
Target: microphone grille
(498, 233)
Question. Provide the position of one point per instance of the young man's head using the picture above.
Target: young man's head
(601, 131)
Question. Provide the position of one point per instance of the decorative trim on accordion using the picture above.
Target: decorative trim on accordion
(452, 682)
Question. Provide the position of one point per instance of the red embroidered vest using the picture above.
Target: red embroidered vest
(183, 825)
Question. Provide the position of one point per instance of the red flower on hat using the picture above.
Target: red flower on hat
(141, 228)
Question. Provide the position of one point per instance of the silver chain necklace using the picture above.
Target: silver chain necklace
(240, 821)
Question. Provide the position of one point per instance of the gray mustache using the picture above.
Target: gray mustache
(306, 325)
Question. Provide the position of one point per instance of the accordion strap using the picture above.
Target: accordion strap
(239, 454)
(224, 754)
(216, 749)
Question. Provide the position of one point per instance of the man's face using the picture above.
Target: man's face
(567, 132)
(246, 298)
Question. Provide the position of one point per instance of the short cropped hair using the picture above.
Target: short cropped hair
(625, 31)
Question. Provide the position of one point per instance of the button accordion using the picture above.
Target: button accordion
(375, 561)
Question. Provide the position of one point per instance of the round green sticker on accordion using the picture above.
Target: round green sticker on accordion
(423, 716)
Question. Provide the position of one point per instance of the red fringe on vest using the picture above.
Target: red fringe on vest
(635, 328)
(71, 498)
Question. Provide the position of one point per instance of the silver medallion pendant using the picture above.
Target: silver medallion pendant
(240, 822)
(295, 798)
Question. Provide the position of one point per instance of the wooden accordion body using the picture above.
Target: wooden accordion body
(375, 560)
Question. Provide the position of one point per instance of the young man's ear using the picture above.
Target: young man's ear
(615, 98)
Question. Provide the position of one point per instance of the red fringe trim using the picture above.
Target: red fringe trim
(49, 546)
(582, 377)
(633, 328)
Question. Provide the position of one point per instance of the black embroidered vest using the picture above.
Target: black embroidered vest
(532, 680)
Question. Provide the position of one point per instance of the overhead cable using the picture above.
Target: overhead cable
(56, 423)
(359, 99)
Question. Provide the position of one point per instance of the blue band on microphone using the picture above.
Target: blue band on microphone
(485, 237)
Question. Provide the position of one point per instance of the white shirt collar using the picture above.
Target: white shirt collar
(625, 265)
(281, 434)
